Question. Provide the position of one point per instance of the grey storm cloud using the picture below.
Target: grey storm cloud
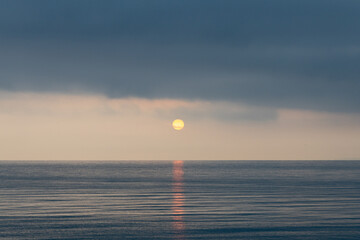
(296, 54)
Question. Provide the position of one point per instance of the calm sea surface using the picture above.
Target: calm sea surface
(180, 200)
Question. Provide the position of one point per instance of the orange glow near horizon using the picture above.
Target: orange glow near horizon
(178, 199)
(55, 126)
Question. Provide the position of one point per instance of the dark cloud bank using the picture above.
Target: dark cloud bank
(297, 54)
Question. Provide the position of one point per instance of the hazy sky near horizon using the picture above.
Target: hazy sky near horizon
(252, 79)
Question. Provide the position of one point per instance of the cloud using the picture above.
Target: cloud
(89, 105)
(278, 54)
(233, 21)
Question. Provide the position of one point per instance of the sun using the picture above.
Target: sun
(178, 124)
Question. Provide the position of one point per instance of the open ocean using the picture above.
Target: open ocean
(180, 200)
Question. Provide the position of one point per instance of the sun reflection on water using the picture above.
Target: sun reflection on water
(178, 199)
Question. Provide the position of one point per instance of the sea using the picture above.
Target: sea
(180, 200)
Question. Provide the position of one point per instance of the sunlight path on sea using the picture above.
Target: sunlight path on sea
(178, 199)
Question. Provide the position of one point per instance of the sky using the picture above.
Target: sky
(252, 79)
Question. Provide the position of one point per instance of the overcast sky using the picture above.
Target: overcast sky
(237, 63)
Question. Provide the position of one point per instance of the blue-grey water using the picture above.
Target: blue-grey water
(180, 200)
